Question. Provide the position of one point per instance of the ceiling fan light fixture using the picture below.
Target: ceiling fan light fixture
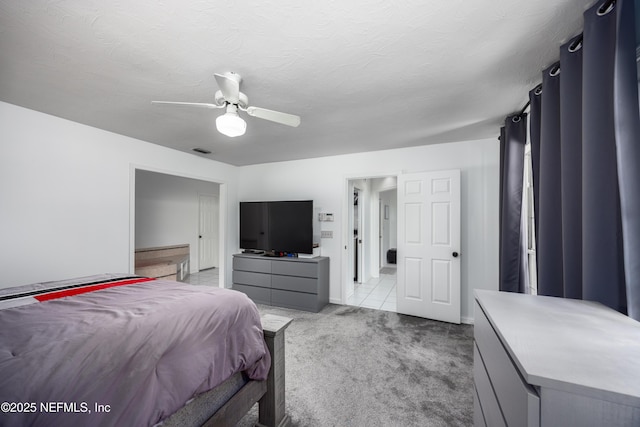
(231, 124)
(230, 97)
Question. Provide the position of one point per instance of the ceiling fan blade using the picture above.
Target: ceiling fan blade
(274, 116)
(229, 86)
(189, 104)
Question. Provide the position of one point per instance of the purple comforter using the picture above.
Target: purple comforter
(124, 356)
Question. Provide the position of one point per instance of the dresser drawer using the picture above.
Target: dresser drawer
(297, 300)
(253, 279)
(293, 268)
(252, 264)
(297, 284)
(478, 419)
(486, 411)
(518, 401)
(257, 295)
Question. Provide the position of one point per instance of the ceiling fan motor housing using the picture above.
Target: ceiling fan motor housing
(243, 100)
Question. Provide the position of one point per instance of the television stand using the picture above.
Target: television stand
(299, 283)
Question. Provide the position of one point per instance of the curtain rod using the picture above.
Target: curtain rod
(537, 91)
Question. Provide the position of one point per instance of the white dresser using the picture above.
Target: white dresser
(543, 361)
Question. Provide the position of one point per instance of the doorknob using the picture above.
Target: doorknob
(455, 254)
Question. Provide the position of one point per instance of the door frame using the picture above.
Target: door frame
(347, 228)
(222, 215)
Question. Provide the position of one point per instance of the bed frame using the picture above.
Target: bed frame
(269, 394)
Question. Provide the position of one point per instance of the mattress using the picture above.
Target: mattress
(114, 350)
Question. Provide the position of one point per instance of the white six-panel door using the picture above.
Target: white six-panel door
(428, 259)
(208, 238)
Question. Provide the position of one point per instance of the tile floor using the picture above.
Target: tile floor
(378, 293)
(207, 277)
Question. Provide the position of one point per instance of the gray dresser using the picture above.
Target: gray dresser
(300, 283)
(543, 361)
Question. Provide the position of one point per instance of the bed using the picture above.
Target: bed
(115, 349)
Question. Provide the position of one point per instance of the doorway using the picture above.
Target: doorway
(427, 279)
(372, 225)
(165, 210)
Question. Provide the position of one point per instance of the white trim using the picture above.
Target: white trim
(467, 320)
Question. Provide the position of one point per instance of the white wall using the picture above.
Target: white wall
(66, 196)
(168, 211)
(325, 181)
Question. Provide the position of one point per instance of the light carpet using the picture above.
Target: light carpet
(353, 366)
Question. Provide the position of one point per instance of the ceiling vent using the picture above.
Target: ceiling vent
(201, 151)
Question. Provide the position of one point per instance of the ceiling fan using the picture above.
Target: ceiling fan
(230, 97)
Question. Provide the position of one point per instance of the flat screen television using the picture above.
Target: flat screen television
(279, 226)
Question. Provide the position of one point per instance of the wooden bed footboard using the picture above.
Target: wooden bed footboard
(272, 404)
(269, 394)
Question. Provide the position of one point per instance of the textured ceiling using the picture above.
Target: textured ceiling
(363, 75)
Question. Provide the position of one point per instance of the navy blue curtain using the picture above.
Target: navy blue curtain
(513, 136)
(549, 248)
(535, 113)
(501, 202)
(590, 149)
(627, 132)
(571, 166)
(602, 261)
